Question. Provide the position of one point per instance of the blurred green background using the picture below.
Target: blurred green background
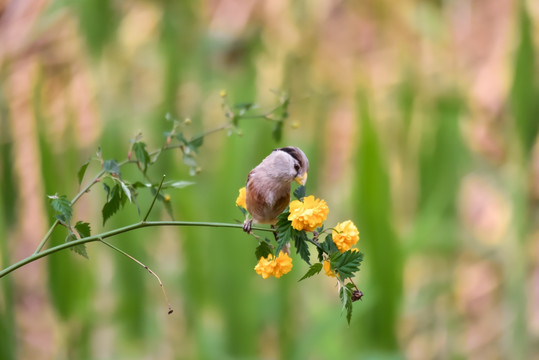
(420, 120)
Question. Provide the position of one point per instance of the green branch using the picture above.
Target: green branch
(114, 232)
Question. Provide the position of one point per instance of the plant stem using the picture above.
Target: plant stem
(114, 232)
(144, 266)
(154, 198)
(102, 172)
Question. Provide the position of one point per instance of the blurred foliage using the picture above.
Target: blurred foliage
(419, 118)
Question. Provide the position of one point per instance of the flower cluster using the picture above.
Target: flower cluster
(345, 235)
(309, 214)
(269, 266)
(240, 201)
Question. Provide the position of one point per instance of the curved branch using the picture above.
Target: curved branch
(114, 232)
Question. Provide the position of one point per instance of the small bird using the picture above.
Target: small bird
(268, 185)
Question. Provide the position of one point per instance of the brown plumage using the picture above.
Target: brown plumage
(268, 184)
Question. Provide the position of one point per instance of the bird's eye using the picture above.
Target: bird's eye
(296, 167)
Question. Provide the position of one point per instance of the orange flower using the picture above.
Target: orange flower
(309, 214)
(269, 266)
(345, 235)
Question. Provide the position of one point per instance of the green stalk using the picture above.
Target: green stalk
(39, 255)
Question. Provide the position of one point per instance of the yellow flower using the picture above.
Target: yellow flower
(327, 269)
(240, 201)
(345, 235)
(265, 266)
(309, 214)
(268, 266)
(283, 265)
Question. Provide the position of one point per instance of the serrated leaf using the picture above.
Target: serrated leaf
(347, 263)
(346, 300)
(284, 230)
(79, 249)
(83, 228)
(329, 246)
(126, 190)
(313, 270)
(302, 248)
(62, 205)
(263, 250)
(82, 171)
(61, 218)
(299, 193)
(113, 204)
(142, 156)
(112, 167)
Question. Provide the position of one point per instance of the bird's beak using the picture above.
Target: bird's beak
(301, 179)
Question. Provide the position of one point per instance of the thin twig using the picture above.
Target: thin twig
(144, 266)
(154, 198)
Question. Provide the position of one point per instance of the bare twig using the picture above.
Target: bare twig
(170, 311)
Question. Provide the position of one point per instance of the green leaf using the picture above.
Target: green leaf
(346, 300)
(112, 167)
(263, 250)
(302, 248)
(277, 132)
(79, 249)
(62, 205)
(83, 228)
(138, 184)
(180, 138)
(142, 156)
(328, 247)
(107, 190)
(347, 263)
(313, 270)
(82, 171)
(196, 142)
(113, 204)
(178, 184)
(126, 190)
(284, 230)
(244, 106)
(243, 211)
(524, 89)
(299, 193)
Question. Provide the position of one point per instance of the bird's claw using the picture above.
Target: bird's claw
(247, 225)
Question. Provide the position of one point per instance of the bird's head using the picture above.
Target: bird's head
(288, 164)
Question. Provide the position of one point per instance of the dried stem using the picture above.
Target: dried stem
(144, 266)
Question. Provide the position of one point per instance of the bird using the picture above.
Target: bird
(267, 192)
